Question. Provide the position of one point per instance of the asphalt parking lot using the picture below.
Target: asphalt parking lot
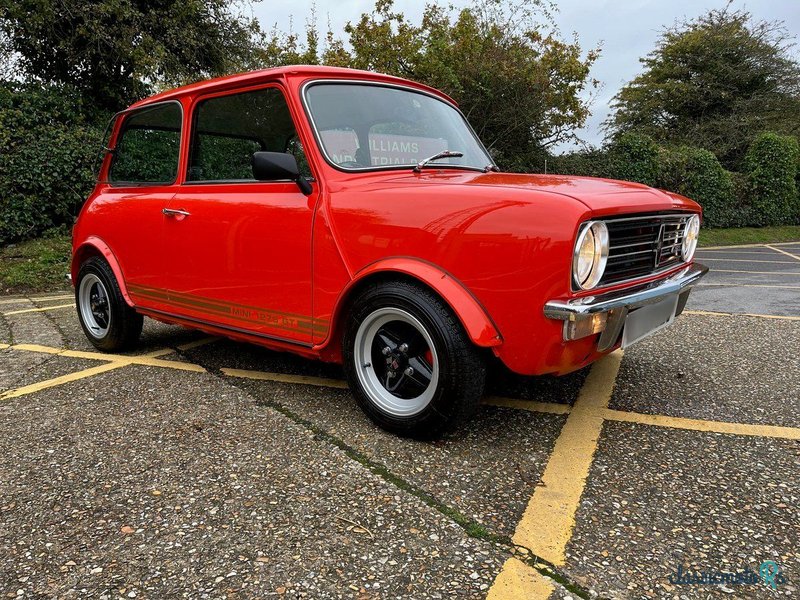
(198, 467)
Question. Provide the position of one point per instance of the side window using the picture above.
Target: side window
(229, 129)
(147, 150)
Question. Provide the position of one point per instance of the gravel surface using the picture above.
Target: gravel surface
(143, 482)
(19, 369)
(657, 498)
(741, 369)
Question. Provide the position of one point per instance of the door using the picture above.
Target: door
(240, 250)
(141, 177)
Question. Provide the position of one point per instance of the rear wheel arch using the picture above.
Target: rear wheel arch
(476, 321)
(94, 246)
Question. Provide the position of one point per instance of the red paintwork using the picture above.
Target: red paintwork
(495, 246)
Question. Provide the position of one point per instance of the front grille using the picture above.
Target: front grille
(641, 246)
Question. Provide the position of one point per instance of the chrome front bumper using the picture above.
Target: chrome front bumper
(616, 305)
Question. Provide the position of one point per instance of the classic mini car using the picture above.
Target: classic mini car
(356, 217)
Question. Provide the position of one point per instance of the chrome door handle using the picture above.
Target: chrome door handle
(172, 212)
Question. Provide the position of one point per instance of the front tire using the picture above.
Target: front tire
(107, 320)
(409, 362)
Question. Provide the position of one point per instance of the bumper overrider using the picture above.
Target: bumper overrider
(608, 312)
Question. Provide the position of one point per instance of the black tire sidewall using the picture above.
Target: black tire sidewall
(444, 409)
(119, 335)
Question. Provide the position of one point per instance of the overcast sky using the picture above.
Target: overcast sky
(626, 29)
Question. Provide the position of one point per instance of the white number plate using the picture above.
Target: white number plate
(648, 319)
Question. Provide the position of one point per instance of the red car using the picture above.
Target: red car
(357, 218)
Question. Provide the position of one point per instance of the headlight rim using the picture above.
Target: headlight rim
(599, 232)
(692, 226)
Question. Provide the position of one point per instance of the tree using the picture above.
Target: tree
(714, 82)
(115, 52)
(519, 85)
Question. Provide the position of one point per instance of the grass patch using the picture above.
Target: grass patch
(36, 265)
(749, 235)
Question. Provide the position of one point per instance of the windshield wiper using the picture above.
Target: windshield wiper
(443, 154)
(491, 169)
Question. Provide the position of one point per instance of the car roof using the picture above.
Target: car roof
(292, 71)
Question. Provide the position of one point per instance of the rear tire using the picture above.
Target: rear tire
(107, 320)
(409, 362)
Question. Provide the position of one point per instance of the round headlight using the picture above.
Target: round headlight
(690, 232)
(590, 255)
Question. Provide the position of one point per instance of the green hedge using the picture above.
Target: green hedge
(771, 166)
(697, 174)
(634, 157)
(765, 194)
(46, 158)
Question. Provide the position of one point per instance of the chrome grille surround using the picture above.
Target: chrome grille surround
(643, 245)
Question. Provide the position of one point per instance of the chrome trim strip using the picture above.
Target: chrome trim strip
(629, 298)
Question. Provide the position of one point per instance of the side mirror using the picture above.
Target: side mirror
(275, 166)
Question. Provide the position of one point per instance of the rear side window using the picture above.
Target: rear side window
(147, 151)
(229, 129)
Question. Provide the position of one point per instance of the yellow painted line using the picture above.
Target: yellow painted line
(750, 252)
(794, 256)
(197, 343)
(730, 247)
(39, 299)
(145, 360)
(43, 385)
(519, 581)
(747, 260)
(4, 346)
(772, 431)
(750, 285)
(547, 523)
(281, 378)
(33, 310)
(541, 407)
(724, 314)
(756, 272)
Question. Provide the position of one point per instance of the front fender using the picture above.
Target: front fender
(94, 246)
(473, 316)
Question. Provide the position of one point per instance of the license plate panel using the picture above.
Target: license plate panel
(645, 321)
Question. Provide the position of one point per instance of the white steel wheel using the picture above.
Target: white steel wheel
(94, 304)
(396, 362)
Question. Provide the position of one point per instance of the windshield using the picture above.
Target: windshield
(368, 126)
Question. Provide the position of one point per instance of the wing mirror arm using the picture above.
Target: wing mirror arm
(279, 166)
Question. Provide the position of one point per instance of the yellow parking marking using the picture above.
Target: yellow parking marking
(146, 360)
(281, 378)
(751, 252)
(39, 299)
(756, 272)
(730, 247)
(771, 431)
(43, 385)
(197, 343)
(724, 314)
(541, 407)
(750, 285)
(547, 523)
(794, 256)
(748, 260)
(4, 346)
(519, 581)
(33, 310)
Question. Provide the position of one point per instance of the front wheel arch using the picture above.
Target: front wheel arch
(476, 321)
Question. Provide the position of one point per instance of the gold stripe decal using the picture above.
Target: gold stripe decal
(240, 312)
